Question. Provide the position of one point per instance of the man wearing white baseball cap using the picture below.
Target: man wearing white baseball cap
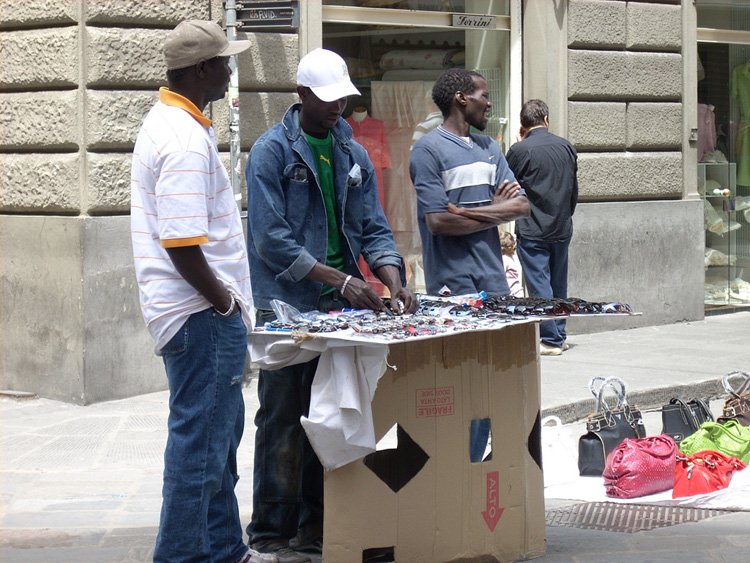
(313, 210)
(194, 285)
(326, 74)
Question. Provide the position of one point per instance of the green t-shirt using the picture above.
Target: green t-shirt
(322, 150)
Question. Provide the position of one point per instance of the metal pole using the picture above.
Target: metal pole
(235, 164)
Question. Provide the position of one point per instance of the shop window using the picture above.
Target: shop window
(723, 74)
(495, 6)
(394, 65)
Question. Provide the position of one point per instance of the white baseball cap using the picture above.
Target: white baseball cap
(325, 73)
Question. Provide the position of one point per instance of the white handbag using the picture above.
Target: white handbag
(559, 461)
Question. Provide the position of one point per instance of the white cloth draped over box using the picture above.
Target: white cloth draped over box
(339, 425)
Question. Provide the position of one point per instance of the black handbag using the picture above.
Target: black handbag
(679, 418)
(737, 406)
(608, 426)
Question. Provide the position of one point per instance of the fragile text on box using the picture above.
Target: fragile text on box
(436, 401)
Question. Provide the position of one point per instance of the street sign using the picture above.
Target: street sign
(267, 15)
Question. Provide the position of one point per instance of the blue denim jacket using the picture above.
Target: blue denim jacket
(287, 230)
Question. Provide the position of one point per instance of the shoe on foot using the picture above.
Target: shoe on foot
(312, 547)
(279, 552)
(309, 540)
(547, 350)
(252, 556)
(565, 346)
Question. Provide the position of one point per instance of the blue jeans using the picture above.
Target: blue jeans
(200, 518)
(288, 477)
(545, 271)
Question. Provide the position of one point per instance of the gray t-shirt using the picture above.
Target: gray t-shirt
(445, 168)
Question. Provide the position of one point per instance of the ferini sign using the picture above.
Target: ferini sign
(478, 22)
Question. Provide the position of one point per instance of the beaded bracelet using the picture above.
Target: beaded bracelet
(343, 285)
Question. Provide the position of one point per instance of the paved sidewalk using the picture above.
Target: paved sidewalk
(82, 484)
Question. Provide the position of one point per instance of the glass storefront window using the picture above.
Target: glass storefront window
(394, 57)
(478, 6)
(724, 149)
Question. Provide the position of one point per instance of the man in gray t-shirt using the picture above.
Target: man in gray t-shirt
(464, 191)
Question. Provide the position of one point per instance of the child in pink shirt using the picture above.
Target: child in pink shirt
(511, 264)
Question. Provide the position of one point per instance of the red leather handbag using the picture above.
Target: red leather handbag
(640, 467)
(704, 472)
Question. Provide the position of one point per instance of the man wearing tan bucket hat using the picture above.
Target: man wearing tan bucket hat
(194, 283)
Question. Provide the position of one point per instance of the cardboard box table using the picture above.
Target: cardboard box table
(426, 500)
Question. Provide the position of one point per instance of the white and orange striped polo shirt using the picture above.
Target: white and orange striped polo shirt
(181, 196)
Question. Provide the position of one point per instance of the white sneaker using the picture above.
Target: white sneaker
(547, 350)
(252, 556)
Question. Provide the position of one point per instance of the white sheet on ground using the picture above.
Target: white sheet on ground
(591, 489)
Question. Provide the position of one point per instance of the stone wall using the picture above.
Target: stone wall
(77, 77)
(611, 72)
(648, 254)
(625, 112)
(624, 91)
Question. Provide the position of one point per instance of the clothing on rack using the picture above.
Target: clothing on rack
(402, 105)
(370, 133)
(706, 130)
(739, 88)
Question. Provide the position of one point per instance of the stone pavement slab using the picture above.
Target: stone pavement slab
(721, 539)
(83, 483)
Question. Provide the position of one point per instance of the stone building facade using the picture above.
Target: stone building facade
(623, 76)
(78, 76)
(76, 80)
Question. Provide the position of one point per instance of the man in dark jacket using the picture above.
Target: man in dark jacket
(546, 167)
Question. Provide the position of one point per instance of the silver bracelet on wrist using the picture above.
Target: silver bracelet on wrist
(343, 285)
(231, 307)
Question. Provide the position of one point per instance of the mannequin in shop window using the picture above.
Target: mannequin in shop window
(370, 133)
(739, 88)
(706, 133)
(709, 149)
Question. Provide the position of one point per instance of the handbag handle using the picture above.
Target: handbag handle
(618, 386)
(593, 384)
(705, 407)
(730, 429)
(597, 385)
(686, 411)
(743, 387)
(551, 418)
(711, 459)
(603, 381)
